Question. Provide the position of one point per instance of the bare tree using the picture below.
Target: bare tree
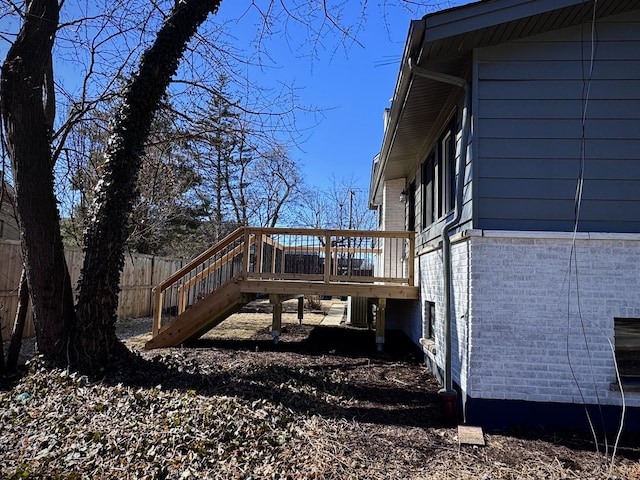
(106, 237)
(275, 184)
(315, 209)
(85, 336)
(28, 137)
(343, 206)
(166, 206)
(249, 176)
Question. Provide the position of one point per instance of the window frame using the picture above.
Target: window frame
(430, 313)
(626, 331)
(438, 173)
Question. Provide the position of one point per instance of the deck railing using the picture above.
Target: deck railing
(310, 255)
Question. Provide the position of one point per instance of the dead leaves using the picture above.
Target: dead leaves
(213, 413)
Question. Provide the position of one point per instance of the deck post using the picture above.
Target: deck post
(274, 250)
(380, 322)
(276, 322)
(300, 309)
(246, 254)
(327, 256)
(182, 299)
(411, 258)
(258, 266)
(157, 314)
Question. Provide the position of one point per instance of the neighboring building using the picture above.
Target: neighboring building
(545, 276)
(8, 224)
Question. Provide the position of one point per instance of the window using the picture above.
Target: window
(430, 320)
(627, 347)
(428, 172)
(438, 179)
(411, 213)
(447, 152)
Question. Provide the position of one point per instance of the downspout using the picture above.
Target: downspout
(448, 392)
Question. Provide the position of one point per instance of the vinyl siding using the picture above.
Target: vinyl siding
(529, 132)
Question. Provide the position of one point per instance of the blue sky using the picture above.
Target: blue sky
(353, 85)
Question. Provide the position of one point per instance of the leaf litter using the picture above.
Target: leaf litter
(228, 409)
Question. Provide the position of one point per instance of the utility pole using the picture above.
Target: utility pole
(351, 195)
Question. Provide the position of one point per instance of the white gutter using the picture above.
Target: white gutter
(453, 223)
(401, 92)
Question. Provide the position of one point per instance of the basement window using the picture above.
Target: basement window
(627, 347)
(430, 312)
(428, 340)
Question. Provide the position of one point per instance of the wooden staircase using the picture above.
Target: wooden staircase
(202, 317)
(280, 263)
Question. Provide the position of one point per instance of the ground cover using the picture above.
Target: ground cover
(320, 404)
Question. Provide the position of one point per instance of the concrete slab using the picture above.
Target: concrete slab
(335, 316)
(470, 435)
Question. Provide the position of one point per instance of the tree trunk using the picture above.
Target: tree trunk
(18, 325)
(22, 91)
(105, 239)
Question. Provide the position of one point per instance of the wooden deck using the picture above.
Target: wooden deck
(282, 263)
(353, 289)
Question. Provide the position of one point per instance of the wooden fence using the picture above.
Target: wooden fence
(141, 273)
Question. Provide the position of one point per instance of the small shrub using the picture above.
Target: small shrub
(313, 302)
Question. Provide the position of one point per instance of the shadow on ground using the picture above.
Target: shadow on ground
(322, 340)
(335, 372)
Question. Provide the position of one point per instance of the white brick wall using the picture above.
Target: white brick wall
(518, 331)
(431, 290)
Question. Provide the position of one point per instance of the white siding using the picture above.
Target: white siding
(393, 219)
(393, 213)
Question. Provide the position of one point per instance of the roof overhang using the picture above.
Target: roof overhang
(443, 42)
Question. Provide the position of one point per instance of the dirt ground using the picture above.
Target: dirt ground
(323, 403)
(245, 325)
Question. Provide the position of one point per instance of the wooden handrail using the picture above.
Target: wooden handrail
(327, 256)
(320, 248)
(237, 234)
(315, 232)
(410, 258)
(214, 266)
(229, 239)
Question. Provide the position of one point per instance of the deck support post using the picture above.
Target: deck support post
(276, 322)
(380, 322)
(300, 309)
(157, 311)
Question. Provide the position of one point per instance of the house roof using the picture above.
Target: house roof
(442, 42)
